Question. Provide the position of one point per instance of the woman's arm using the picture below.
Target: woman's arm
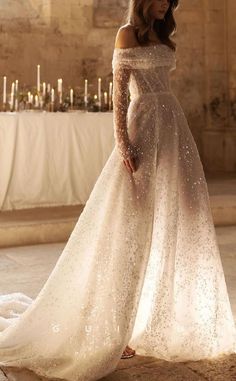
(121, 76)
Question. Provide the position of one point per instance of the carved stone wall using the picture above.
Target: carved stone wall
(74, 39)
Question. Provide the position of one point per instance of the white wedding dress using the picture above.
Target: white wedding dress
(142, 266)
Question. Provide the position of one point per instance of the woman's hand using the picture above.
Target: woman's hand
(131, 164)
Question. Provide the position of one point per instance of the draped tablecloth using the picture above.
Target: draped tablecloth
(50, 159)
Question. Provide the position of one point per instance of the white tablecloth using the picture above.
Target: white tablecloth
(49, 159)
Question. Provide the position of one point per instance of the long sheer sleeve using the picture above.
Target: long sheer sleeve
(121, 76)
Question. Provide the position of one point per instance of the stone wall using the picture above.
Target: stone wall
(74, 39)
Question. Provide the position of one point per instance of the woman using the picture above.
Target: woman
(142, 265)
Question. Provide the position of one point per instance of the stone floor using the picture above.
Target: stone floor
(26, 269)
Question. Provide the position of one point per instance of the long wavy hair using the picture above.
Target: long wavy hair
(138, 15)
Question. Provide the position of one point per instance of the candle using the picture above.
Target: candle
(71, 97)
(13, 88)
(48, 88)
(36, 101)
(86, 87)
(59, 89)
(16, 86)
(105, 98)
(38, 78)
(86, 92)
(99, 92)
(44, 89)
(12, 96)
(29, 97)
(4, 90)
(16, 91)
(95, 97)
(52, 95)
(59, 85)
(110, 94)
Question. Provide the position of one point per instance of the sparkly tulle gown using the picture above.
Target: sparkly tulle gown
(142, 266)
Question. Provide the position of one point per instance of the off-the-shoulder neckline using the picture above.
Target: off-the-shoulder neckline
(141, 47)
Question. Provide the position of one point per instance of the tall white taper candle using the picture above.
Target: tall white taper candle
(38, 78)
(4, 90)
(110, 95)
(52, 95)
(86, 92)
(99, 93)
(16, 92)
(44, 89)
(71, 97)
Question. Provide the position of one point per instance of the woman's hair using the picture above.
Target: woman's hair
(139, 16)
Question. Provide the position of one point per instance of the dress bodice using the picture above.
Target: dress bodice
(140, 71)
(149, 66)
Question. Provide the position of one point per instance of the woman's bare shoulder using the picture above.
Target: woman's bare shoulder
(126, 37)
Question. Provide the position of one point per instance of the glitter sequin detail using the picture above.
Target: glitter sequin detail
(142, 265)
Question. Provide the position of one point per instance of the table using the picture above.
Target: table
(52, 159)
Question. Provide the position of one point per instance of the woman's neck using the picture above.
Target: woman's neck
(152, 36)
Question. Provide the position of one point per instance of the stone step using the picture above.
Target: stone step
(222, 191)
(38, 225)
(55, 224)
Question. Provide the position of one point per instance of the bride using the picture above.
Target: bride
(142, 267)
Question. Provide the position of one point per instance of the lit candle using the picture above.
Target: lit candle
(59, 89)
(86, 92)
(52, 95)
(13, 88)
(105, 98)
(16, 91)
(59, 85)
(44, 89)
(16, 86)
(12, 96)
(38, 78)
(71, 97)
(29, 97)
(110, 94)
(99, 92)
(4, 90)
(36, 101)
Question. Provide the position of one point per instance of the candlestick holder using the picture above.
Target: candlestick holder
(4, 107)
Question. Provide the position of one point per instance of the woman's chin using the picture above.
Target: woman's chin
(160, 17)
